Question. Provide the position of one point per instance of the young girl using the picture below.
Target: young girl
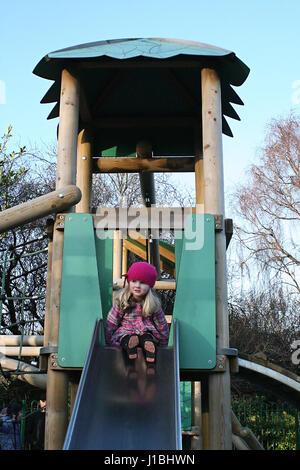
(136, 317)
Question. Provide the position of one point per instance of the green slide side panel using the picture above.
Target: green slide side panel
(80, 303)
(104, 251)
(194, 306)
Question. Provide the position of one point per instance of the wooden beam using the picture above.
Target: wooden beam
(167, 284)
(27, 340)
(163, 251)
(34, 209)
(133, 218)
(37, 380)
(15, 351)
(134, 165)
(141, 252)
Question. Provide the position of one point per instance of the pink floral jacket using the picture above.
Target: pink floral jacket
(121, 323)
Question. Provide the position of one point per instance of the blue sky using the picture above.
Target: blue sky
(262, 33)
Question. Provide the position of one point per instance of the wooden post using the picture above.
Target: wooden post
(117, 254)
(198, 171)
(196, 443)
(84, 169)
(124, 259)
(68, 130)
(219, 383)
(57, 381)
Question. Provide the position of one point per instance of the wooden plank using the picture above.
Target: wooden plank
(134, 165)
(15, 351)
(162, 284)
(27, 340)
(163, 251)
(139, 251)
(165, 218)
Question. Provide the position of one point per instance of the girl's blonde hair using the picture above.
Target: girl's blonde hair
(151, 303)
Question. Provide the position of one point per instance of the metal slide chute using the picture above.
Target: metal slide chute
(123, 406)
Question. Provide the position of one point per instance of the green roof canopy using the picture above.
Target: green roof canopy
(144, 78)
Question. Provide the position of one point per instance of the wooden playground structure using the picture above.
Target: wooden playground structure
(142, 106)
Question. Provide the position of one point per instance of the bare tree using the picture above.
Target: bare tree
(23, 276)
(111, 189)
(268, 206)
(265, 324)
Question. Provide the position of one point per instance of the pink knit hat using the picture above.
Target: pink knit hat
(143, 272)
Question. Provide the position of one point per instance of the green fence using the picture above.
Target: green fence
(275, 424)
